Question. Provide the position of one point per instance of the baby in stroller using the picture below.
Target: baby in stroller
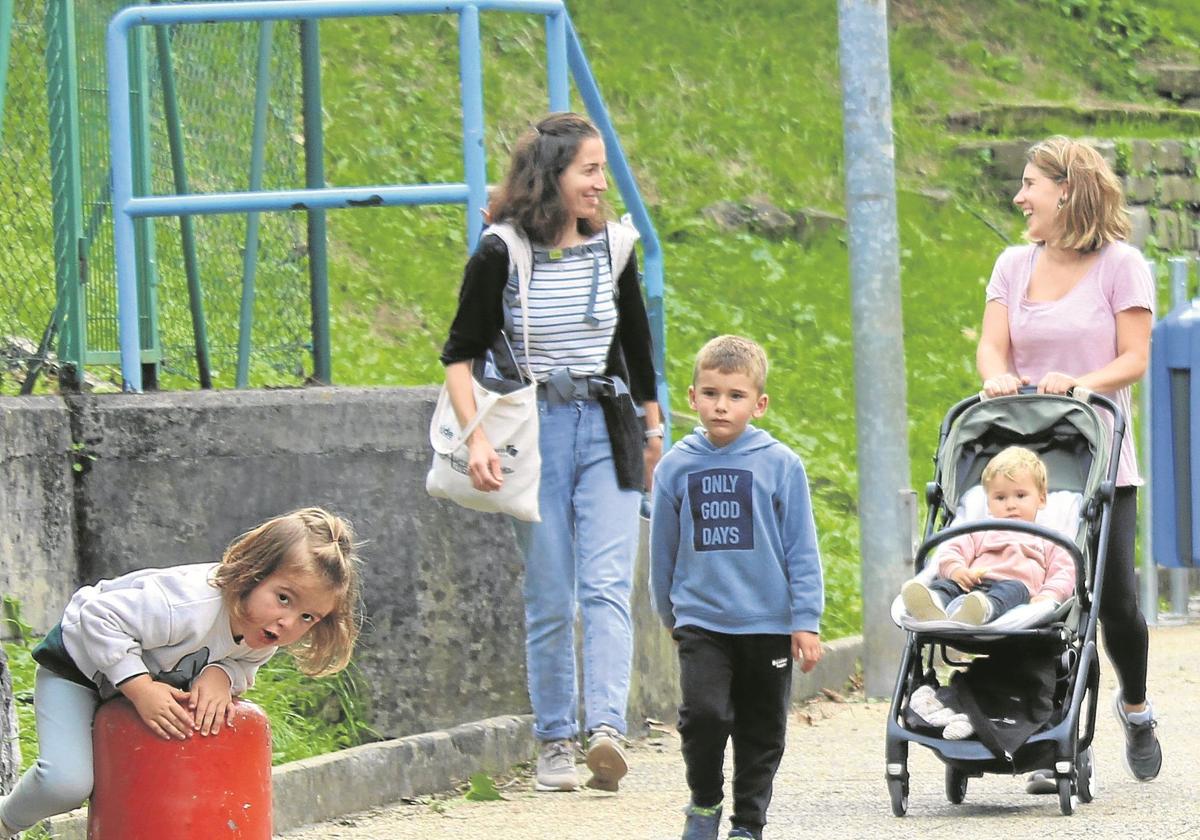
(984, 574)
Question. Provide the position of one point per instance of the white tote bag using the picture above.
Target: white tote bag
(506, 405)
(511, 423)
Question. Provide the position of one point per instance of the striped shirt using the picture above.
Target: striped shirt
(572, 313)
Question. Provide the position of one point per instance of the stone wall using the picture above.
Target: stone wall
(165, 479)
(1159, 177)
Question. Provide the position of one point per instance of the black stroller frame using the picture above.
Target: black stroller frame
(1066, 744)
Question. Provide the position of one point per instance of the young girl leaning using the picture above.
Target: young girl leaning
(181, 643)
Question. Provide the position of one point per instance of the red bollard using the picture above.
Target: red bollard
(215, 787)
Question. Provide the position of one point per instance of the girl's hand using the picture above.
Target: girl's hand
(160, 706)
(211, 701)
(483, 464)
(1056, 383)
(806, 649)
(1004, 384)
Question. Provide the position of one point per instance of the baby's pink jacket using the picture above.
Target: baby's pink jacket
(1043, 566)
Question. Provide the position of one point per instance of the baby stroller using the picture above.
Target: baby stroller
(1081, 459)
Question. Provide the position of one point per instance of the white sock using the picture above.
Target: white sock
(1144, 716)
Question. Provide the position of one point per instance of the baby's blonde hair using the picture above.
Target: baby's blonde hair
(327, 552)
(1014, 462)
(1094, 212)
(733, 354)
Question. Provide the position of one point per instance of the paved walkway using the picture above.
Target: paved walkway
(831, 785)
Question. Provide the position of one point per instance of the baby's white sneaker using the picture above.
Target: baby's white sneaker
(975, 608)
(921, 602)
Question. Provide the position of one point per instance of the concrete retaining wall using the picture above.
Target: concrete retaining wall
(37, 507)
(165, 479)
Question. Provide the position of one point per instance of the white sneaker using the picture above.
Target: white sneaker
(925, 703)
(922, 603)
(556, 766)
(974, 609)
(605, 758)
(958, 728)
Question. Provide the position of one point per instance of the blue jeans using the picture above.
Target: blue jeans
(1004, 594)
(578, 558)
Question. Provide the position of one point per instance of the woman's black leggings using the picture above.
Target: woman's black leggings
(1121, 622)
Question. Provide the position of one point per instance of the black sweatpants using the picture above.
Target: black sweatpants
(734, 686)
(1121, 622)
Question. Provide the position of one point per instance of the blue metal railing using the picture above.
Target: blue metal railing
(564, 56)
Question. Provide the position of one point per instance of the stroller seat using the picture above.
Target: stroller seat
(1061, 513)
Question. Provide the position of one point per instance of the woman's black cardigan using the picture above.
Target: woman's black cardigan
(480, 318)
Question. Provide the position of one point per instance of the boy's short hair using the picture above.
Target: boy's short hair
(733, 354)
(1014, 461)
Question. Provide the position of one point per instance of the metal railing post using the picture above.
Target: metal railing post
(470, 68)
(6, 17)
(652, 277)
(122, 192)
(262, 90)
(314, 178)
(558, 82)
(187, 232)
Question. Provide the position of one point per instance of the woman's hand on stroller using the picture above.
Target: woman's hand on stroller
(1004, 384)
(806, 649)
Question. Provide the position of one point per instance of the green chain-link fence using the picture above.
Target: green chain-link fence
(56, 208)
(27, 293)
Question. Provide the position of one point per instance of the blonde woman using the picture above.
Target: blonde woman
(1074, 308)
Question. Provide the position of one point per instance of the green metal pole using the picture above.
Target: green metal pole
(187, 233)
(262, 92)
(147, 269)
(314, 178)
(6, 15)
(62, 91)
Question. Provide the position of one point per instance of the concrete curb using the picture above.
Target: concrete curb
(318, 789)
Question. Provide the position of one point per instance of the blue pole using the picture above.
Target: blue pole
(474, 160)
(557, 79)
(262, 92)
(1181, 577)
(652, 275)
(6, 15)
(121, 142)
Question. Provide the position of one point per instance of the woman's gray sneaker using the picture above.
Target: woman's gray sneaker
(606, 759)
(556, 766)
(702, 823)
(1143, 755)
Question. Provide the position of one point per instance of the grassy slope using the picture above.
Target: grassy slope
(720, 101)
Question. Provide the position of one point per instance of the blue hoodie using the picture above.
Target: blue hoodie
(733, 547)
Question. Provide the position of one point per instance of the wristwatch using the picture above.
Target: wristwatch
(655, 432)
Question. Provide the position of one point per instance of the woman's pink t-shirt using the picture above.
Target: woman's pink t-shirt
(1077, 333)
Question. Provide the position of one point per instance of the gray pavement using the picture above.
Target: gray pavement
(831, 784)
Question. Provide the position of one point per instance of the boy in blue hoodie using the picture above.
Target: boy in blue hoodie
(735, 575)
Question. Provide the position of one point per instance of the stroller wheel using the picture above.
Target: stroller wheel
(898, 790)
(1065, 804)
(1085, 776)
(956, 785)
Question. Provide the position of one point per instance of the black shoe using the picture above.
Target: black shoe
(1143, 754)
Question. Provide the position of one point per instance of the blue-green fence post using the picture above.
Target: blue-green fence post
(314, 178)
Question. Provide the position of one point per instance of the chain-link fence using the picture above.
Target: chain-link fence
(56, 132)
(27, 294)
